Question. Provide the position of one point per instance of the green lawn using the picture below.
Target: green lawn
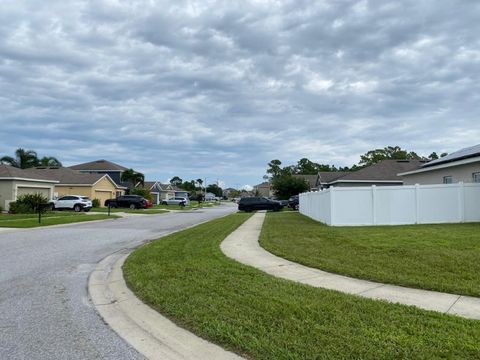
(187, 278)
(130, 211)
(50, 218)
(436, 257)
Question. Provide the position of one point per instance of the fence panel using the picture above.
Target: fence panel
(394, 205)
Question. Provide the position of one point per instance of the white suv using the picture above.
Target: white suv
(176, 201)
(72, 202)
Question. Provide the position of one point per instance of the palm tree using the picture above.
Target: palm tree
(23, 159)
(50, 161)
(133, 177)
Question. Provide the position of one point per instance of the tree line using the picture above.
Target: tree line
(285, 184)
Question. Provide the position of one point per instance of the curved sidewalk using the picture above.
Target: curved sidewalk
(242, 245)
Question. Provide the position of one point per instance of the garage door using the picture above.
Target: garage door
(33, 190)
(102, 196)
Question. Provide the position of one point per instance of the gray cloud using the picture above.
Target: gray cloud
(219, 88)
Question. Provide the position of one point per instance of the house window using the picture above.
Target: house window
(447, 179)
(476, 177)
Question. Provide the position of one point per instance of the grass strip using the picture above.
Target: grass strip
(53, 220)
(442, 257)
(186, 277)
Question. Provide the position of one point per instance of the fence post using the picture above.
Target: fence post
(417, 204)
(374, 206)
(332, 205)
(461, 201)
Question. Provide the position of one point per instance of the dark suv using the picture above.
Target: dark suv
(293, 202)
(258, 203)
(127, 201)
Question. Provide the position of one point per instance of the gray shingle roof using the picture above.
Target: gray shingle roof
(329, 176)
(7, 171)
(99, 165)
(67, 176)
(465, 153)
(385, 170)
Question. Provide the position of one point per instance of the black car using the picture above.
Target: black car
(258, 203)
(127, 201)
(293, 202)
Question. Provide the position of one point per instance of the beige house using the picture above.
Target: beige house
(263, 189)
(459, 166)
(15, 182)
(71, 182)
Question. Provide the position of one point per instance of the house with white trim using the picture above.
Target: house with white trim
(460, 166)
(15, 182)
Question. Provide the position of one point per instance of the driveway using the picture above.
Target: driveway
(45, 312)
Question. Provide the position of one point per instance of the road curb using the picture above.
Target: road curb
(151, 334)
(146, 330)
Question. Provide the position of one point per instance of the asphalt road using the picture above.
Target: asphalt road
(45, 312)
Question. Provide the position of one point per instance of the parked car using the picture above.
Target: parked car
(293, 202)
(283, 202)
(258, 203)
(149, 204)
(181, 201)
(127, 201)
(72, 202)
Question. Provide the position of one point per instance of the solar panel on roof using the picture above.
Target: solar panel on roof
(457, 155)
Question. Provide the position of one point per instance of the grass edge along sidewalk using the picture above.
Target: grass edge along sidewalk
(32, 222)
(439, 257)
(187, 278)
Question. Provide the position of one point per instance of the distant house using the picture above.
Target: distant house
(15, 182)
(154, 192)
(462, 165)
(72, 182)
(228, 191)
(383, 173)
(263, 189)
(321, 180)
(159, 191)
(103, 167)
(180, 192)
(210, 196)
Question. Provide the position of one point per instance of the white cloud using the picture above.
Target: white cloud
(218, 89)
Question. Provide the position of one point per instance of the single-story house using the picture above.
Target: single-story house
(210, 196)
(462, 165)
(228, 191)
(167, 191)
(159, 191)
(180, 192)
(321, 179)
(154, 192)
(383, 173)
(263, 189)
(15, 182)
(71, 182)
(114, 171)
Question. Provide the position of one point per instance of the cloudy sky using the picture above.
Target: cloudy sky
(217, 89)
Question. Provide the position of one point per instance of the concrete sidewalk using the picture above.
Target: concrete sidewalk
(242, 245)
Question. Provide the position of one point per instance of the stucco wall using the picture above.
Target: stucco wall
(458, 173)
(8, 190)
(6, 193)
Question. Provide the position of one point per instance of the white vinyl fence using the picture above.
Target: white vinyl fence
(393, 205)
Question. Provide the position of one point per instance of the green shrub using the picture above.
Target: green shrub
(28, 204)
(95, 203)
(142, 192)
